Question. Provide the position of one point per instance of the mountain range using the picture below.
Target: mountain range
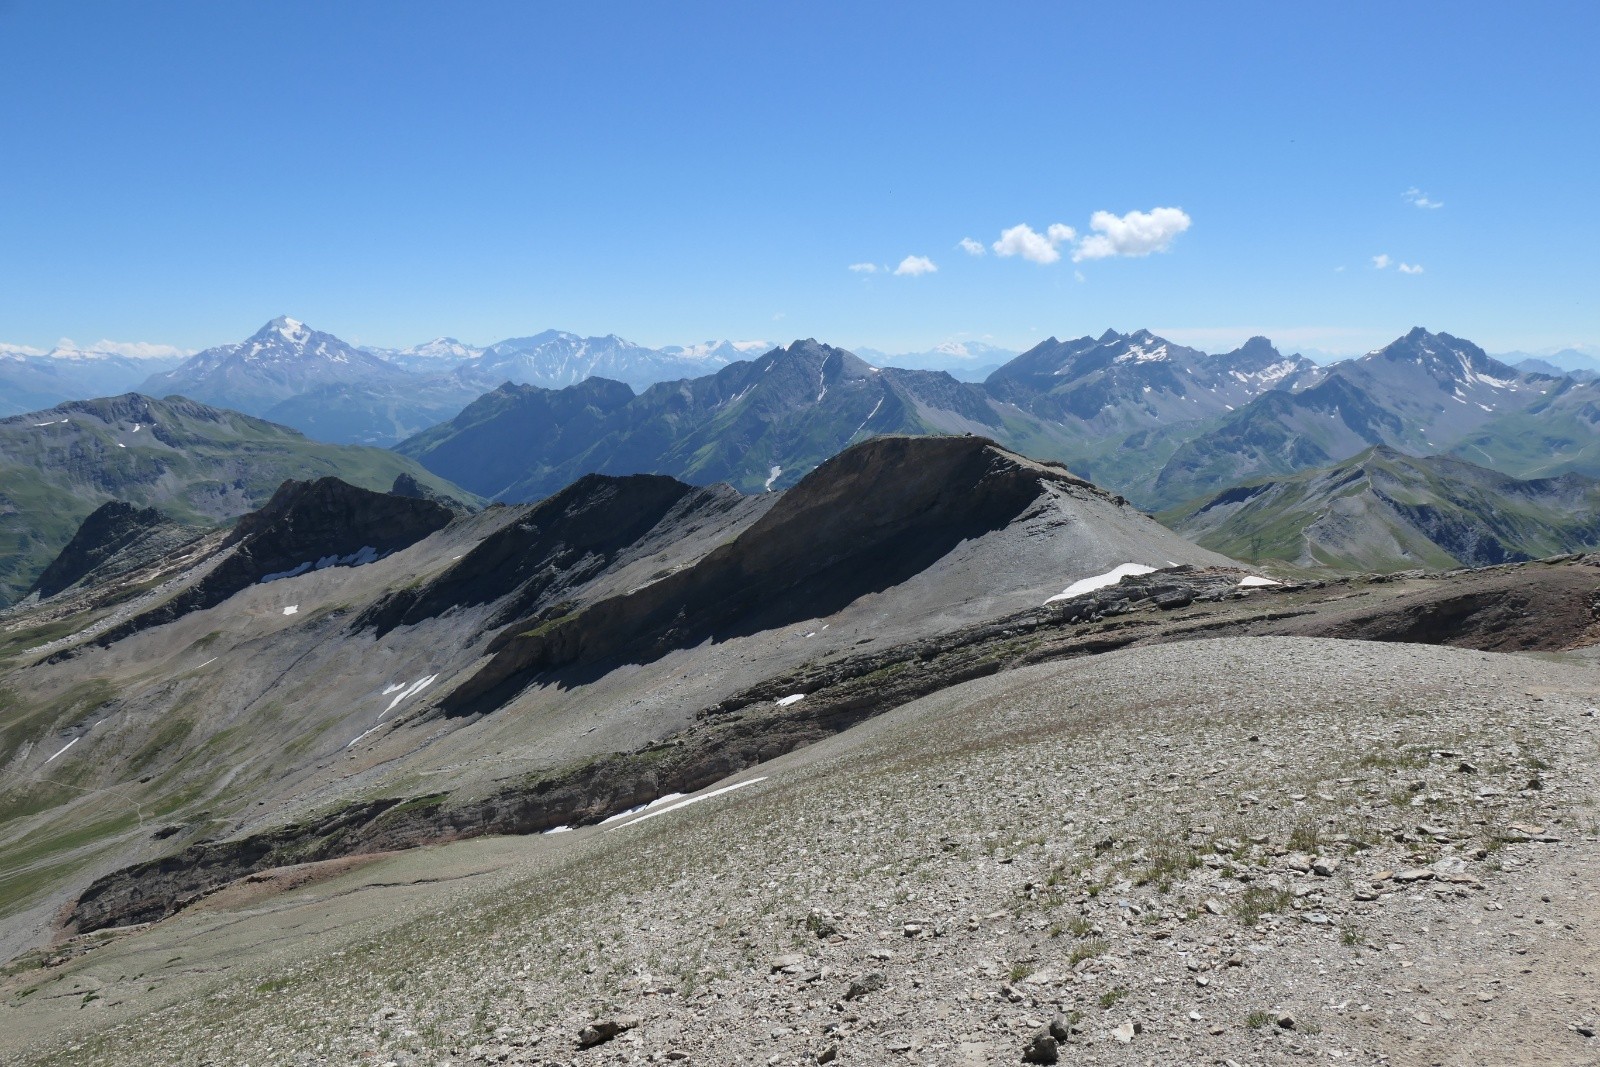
(1162, 423)
(1156, 421)
(757, 424)
(31, 380)
(199, 465)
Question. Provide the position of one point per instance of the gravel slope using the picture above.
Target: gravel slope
(1128, 844)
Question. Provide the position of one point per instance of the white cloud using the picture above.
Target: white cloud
(1138, 233)
(1420, 199)
(1411, 268)
(970, 247)
(1022, 240)
(66, 348)
(915, 265)
(1380, 262)
(19, 350)
(864, 268)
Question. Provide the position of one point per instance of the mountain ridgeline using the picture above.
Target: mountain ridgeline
(1158, 422)
(758, 424)
(1384, 510)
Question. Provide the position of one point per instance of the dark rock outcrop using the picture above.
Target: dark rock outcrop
(305, 526)
(406, 484)
(116, 537)
(557, 545)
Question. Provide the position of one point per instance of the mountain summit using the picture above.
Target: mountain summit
(284, 358)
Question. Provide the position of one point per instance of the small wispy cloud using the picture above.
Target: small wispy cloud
(1023, 240)
(1411, 268)
(1380, 262)
(914, 266)
(970, 247)
(864, 268)
(66, 346)
(1138, 233)
(1417, 198)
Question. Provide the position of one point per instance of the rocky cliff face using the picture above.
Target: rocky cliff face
(115, 538)
(305, 526)
(558, 544)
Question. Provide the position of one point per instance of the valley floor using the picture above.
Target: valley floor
(1245, 850)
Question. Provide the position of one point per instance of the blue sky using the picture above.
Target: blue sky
(393, 171)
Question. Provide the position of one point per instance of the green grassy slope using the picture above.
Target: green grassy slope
(201, 465)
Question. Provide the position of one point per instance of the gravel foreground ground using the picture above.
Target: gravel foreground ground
(1249, 850)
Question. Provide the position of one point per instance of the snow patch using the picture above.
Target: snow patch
(66, 746)
(1251, 580)
(693, 800)
(792, 698)
(291, 609)
(667, 799)
(1100, 581)
(410, 691)
(559, 830)
(361, 556)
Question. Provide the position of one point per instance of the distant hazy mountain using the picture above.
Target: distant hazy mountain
(1384, 511)
(431, 357)
(282, 359)
(718, 353)
(30, 379)
(757, 424)
(198, 464)
(290, 373)
(555, 359)
(1535, 365)
(1566, 358)
(968, 361)
(1421, 394)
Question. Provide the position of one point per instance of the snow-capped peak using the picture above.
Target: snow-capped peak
(292, 330)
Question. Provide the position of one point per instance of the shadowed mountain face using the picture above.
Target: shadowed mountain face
(1386, 511)
(561, 542)
(115, 538)
(306, 526)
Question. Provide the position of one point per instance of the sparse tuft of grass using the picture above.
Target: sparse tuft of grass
(1111, 996)
(1086, 950)
(1259, 901)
